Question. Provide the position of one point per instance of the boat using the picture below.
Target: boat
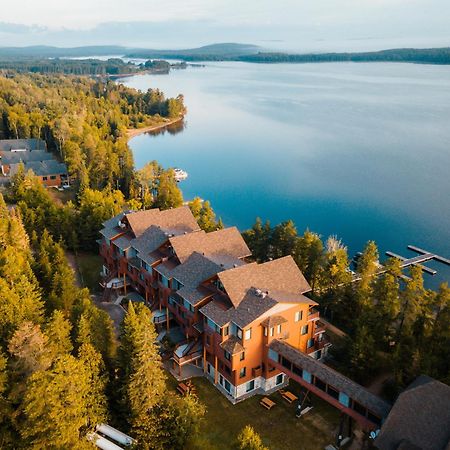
(180, 174)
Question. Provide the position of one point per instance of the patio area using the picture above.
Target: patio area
(279, 428)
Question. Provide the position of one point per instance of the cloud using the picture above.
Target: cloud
(181, 23)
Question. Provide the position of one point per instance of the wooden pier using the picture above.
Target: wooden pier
(423, 256)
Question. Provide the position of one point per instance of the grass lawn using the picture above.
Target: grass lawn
(279, 428)
(62, 197)
(90, 266)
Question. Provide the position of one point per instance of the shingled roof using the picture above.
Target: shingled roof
(332, 377)
(232, 345)
(420, 418)
(42, 168)
(177, 218)
(17, 157)
(227, 241)
(7, 145)
(281, 275)
(196, 269)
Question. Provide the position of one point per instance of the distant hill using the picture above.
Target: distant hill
(226, 51)
(406, 55)
(230, 52)
(45, 51)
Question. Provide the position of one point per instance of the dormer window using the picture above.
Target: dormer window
(219, 285)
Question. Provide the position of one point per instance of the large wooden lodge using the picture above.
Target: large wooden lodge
(249, 327)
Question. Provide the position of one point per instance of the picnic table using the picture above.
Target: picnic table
(267, 403)
(182, 389)
(288, 396)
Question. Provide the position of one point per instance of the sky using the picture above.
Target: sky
(300, 25)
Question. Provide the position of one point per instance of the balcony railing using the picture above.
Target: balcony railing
(320, 327)
(187, 358)
(318, 345)
(313, 315)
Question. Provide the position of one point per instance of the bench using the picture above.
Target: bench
(267, 403)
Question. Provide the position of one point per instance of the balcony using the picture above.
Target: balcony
(320, 327)
(318, 345)
(188, 352)
(313, 315)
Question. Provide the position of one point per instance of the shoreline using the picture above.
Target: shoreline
(133, 132)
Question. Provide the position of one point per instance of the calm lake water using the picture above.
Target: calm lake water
(357, 150)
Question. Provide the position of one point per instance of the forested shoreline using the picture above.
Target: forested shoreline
(392, 325)
(55, 344)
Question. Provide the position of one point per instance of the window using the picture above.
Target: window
(278, 329)
(219, 285)
(250, 386)
(130, 268)
(52, 177)
(271, 331)
(44, 178)
(298, 316)
(227, 355)
(141, 277)
(310, 343)
(171, 301)
(239, 333)
(248, 334)
(304, 330)
(297, 370)
(266, 331)
(333, 392)
(226, 330)
(176, 285)
(164, 281)
(279, 379)
(242, 356)
(242, 372)
(212, 325)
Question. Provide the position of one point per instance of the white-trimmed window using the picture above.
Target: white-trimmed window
(248, 334)
(278, 329)
(298, 316)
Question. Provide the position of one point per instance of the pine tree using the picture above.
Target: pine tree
(94, 326)
(58, 331)
(57, 406)
(144, 379)
(367, 267)
(95, 367)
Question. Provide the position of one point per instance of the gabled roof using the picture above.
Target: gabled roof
(249, 309)
(273, 321)
(281, 276)
(232, 345)
(151, 239)
(227, 242)
(420, 418)
(180, 219)
(196, 269)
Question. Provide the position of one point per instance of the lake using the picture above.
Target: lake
(361, 151)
